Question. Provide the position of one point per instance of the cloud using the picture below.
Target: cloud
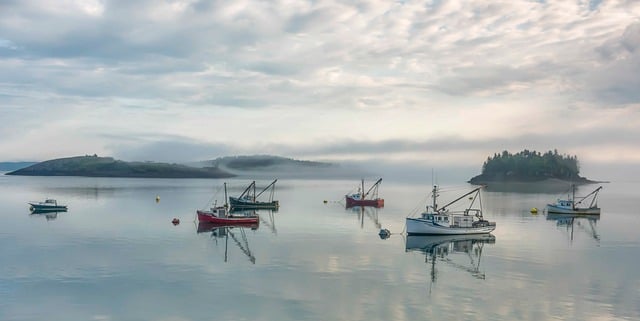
(615, 81)
(310, 74)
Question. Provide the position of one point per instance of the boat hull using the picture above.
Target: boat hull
(204, 216)
(237, 203)
(564, 210)
(378, 202)
(47, 211)
(417, 226)
(47, 208)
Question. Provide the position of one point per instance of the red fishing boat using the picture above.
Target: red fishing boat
(221, 215)
(360, 198)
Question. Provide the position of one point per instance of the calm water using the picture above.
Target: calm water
(116, 256)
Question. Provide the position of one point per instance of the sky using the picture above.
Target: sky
(425, 82)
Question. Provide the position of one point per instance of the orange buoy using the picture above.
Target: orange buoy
(175, 221)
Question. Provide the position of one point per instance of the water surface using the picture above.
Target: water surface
(116, 256)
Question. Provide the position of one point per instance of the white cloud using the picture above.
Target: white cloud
(301, 76)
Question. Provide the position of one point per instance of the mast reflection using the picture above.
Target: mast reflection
(451, 249)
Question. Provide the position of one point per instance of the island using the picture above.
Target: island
(94, 166)
(253, 166)
(257, 162)
(271, 166)
(530, 166)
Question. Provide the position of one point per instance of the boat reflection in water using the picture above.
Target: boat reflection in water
(452, 250)
(586, 223)
(266, 217)
(370, 212)
(48, 214)
(225, 231)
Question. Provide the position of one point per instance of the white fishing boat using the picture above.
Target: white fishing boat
(442, 221)
(571, 205)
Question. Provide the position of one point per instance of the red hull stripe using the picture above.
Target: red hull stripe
(376, 202)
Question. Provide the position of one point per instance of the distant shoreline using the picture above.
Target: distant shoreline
(546, 181)
(166, 175)
(94, 166)
(225, 167)
(550, 185)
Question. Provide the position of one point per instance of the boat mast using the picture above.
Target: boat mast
(573, 198)
(362, 195)
(226, 205)
(434, 193)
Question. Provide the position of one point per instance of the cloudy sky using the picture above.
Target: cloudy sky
(426, 81)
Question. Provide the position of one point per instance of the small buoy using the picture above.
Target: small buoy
(384, 233)
(534, 210)
(325, 201)
(157, 198)
(175, 221)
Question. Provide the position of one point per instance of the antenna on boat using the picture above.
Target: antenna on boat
(432, 179)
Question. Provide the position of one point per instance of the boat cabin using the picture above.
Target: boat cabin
(436, 218)
(50, 202)
(565, 203)
(452, 220)
(355, 196)
(219, 211)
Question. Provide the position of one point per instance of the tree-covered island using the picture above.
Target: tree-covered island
(529, 166)
(94, 166)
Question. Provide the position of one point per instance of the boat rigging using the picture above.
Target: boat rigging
(360, 198)
(248, 200)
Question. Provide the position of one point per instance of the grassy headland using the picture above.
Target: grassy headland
(94, 166)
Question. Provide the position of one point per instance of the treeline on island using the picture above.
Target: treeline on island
(529, 166)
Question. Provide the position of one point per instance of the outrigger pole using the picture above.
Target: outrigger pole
(372, 186)
(594, 197)
(461, 197)
(272, 183)
(253, 184)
